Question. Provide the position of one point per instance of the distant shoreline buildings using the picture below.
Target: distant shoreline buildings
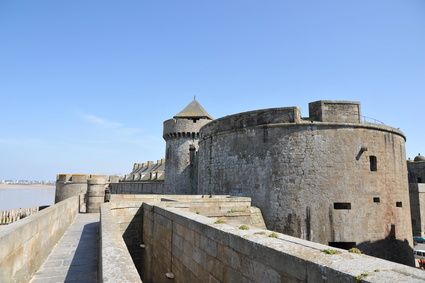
(27, 182)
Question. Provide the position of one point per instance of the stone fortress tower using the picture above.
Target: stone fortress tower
(329, 178)
(181, 135)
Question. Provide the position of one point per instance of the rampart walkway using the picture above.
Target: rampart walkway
(75, 257)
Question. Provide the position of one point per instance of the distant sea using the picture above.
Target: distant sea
(25, 196)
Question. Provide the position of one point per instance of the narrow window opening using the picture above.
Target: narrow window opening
(376, 199)
(373, 163)
(419, 180)
(192, 153)
(342, 205)
(342, 245)
(167, 154)
(399, 204)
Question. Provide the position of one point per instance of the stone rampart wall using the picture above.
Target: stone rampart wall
(116, 264)
(26, 244)
(192, 248)
(127, 212)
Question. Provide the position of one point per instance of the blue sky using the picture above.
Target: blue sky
(86, 85)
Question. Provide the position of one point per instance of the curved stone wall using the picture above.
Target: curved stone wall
(96, 187)
(174, 128)
(313, 179)
(69, 185)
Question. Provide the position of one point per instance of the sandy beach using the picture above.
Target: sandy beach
(21, 186)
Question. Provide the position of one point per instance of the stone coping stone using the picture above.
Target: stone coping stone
(206, 133)
(116, 264)
(180, 197)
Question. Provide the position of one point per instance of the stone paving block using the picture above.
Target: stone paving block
(75, 257)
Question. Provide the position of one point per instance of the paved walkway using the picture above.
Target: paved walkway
(75, 257)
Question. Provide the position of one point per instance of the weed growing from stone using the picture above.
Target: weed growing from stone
(355, 251)
(243, 227)
(220, 221)
(331, 252)
(361, 277)
(273, 235)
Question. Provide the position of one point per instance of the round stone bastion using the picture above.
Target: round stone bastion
(330, 179)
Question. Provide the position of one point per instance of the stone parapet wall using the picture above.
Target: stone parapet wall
(192, 248)
(252, 119)
(127, 212)
(115, 264)
(25, 244)
(137, 188)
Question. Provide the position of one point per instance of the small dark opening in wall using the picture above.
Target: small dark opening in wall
(392, 232)
(167, 153)
(342, 205)
(399, 204)
(342, 245)
(373, 163)
(376, 199)
(419, 180)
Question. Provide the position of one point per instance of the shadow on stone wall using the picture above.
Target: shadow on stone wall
(133, 238)
(390, 249)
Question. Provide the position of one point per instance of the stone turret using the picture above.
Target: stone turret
(181, 135)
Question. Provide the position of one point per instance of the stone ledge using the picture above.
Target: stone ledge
(292, 257)
(115, 263)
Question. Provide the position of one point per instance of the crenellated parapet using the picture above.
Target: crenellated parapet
(69, 185)
(183, 128)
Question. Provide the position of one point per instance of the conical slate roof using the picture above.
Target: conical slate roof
(194, 111)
